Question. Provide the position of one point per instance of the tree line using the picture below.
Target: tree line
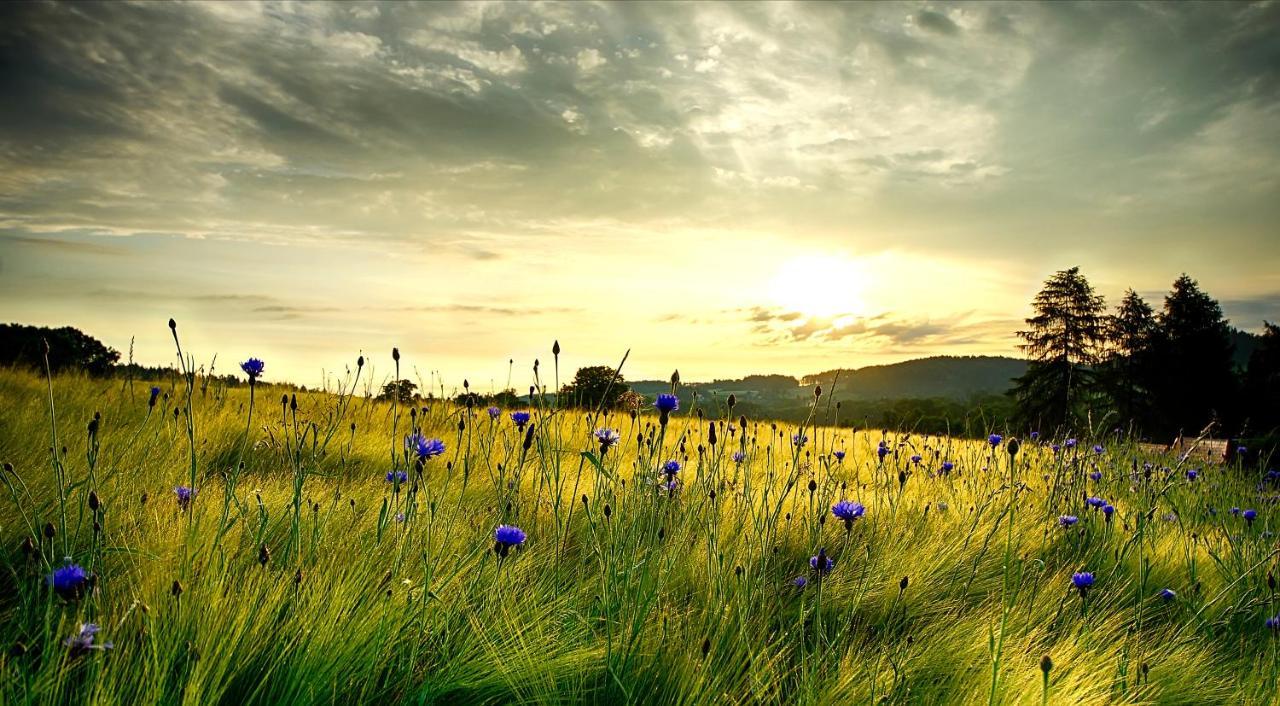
(1158, 373)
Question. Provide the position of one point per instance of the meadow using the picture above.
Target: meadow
(249, 544)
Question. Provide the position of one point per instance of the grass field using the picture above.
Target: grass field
(306, 576)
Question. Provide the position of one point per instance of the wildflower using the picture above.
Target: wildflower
(520, 418)
(994, 440)
(1083, 581)
(666, 404)
(82, 642)
(1193, 474)
(946, 467)
(1274, 623)
(1235, 511)
(1108, 511)
(1095, 502)
(671, 485)
(800, 582)
(915, 459)
(1250, 516)
(1067, 520)
(506, 537)
(848, 511)
(185, 495)
(397, 477)
(155, 392)
(739, 457)
(1167, 594)
(68, 581)
(253, 368)
(822, 563)
(608, 438)
(1055, 448)
(1241, 450)
(1071, 443)
(671, 468)
(422, 447)
(399, 517)
(882, 450)
(839, 455)
(1096, 476)
(1097, 449)
(799, 439)
(494, 413)
(1034, 435)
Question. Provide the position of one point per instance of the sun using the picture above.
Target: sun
(820, 286)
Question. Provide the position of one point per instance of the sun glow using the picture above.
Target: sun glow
(821, 286)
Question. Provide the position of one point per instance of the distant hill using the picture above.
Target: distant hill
(947, 377)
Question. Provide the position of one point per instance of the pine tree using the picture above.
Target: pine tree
(1197, 381)
(1261, 394)
(1064, 340)
(1132, 335)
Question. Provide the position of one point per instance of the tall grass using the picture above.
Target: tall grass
(299, 574)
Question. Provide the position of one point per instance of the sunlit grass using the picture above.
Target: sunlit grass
(671, 596)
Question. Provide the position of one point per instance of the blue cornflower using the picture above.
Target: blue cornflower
(1034, 435)
(82, 642)
(800, 582)
(882, 450)
(915, 459)
(1095, 502)
(995, 440)
(1193, 474)
(666, 404)
(799, 439)
(839, 455)
(506, 537)
(185, 496)
(155, 392)
(1241, 450)
(1071, 443)
(1108, 510)
(1235, 511)
(1083, 581)
(608, 438)
(946, 467)
(671, 468)
(1067, 520)
(822, 563)
(520, 418)
(1273, 623)
(1167, 594)
(1096, 475)
(397, 476)
(671, 485)
(1097, 449)
(253, 368)
(848, 510)
(1055, 448)
(422, 447)
(68, 581)
(739, 457)
(1250, 516)
(494, 413)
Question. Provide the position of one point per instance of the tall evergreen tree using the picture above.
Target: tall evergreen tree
(1261, 394)
(1063, 341)
(1126, 373)
(1197, 381)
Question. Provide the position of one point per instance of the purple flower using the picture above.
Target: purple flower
(739, 457)
(68, 581)
(494, 413)
(822, 564)
(1273, 623)
(848, 511)
(1167, 594)
(253, 368)
(915, 459)
(666, 404)
(799, 439)
(1193, 474)
(1250, 516)
(1034, 435)
(1095, 502)
(520, 418)
(1097, 449)
(882, 450)
(1071, 443)
(839, 455)
(1067, 520)
(185, 496)
(608, 438)
(1096, 475)
(422, 447)
(994, 440)
(1083, 581)
(946, 467)
(397, 477)
(506, 537)
(82, 642)
(155, 392)
(1235, 511)
(671, 468)
(1055, 448)
(1108, 510)
(800, 582)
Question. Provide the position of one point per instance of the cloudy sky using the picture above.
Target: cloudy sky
(722, 188)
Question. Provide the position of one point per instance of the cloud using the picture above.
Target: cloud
(887, 329)
(936, 22)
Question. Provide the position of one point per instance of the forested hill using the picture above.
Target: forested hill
(948, 377)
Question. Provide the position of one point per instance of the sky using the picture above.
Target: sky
(719, 188)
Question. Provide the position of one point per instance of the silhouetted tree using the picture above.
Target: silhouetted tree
(593, 385)
(1126, 373)
(1196, 376)
(1261, 394)
(1063, 341)
(400, 390)
(69, 349)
